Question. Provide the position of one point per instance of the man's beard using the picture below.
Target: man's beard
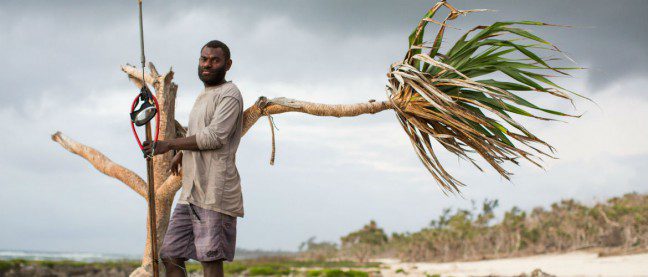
(214, 77)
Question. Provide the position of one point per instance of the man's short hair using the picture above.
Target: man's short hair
(218, 44)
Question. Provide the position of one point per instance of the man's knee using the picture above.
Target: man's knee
(216, 263)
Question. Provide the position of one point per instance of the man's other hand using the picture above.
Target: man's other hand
(161, 147)
(176, 163)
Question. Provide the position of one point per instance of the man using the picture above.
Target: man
(203, 224)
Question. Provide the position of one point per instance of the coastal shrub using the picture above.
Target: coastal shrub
(268, 270)
(234, 268)
(193, 267)
(336, 273)
(5, 266)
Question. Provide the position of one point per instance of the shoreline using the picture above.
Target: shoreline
(575, 263)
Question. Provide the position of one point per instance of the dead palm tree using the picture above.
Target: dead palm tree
(436, 97)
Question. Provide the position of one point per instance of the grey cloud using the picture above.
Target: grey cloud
(73, 47)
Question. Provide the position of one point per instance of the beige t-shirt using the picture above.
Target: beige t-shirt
(210, 178)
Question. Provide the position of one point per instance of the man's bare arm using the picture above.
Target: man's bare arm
(163, 146)
(188, 143)
(213, 136)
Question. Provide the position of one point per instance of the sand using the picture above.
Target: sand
(569, 264)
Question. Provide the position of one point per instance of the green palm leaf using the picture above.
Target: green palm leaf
(438, 96)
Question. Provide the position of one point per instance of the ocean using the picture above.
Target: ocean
(241, 254)
(63, 256)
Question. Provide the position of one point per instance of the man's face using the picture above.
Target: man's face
(212, 66)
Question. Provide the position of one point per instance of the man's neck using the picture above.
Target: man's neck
(216, 85)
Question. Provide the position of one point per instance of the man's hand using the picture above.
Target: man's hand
(176, 163)
(161, 147)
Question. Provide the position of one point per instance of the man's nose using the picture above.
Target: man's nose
(206, 64)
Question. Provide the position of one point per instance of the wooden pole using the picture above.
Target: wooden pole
(149, 164)
(151, 206)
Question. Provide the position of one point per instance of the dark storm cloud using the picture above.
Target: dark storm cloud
(611, 38)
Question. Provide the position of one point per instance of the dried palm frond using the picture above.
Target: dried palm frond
(437, 96)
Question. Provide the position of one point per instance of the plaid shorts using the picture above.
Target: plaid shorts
(199, 234)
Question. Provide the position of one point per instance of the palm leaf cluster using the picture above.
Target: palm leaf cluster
(439, 96)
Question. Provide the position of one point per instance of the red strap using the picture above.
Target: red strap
(133, 125)
(157, 121)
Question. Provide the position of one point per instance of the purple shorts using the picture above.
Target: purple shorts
(199, 234)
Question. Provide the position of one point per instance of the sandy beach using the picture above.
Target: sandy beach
(569, 264)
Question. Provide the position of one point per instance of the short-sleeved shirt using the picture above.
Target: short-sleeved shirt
(210, 178)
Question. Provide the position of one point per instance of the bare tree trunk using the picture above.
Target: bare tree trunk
(167, 185)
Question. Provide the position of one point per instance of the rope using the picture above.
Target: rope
(272, 128)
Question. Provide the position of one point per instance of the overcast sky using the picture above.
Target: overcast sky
(60, 71)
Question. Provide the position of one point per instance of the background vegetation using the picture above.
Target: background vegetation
(619, 225)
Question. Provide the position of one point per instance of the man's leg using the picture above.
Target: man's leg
(212, 269)
(174, 267)
(215, 239)
(178, 245)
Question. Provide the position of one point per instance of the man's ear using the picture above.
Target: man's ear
(228, 65)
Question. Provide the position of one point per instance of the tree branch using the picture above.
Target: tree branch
(135, 75)
(102, 163)
(181, 131)
(170, 186)
(263, 106)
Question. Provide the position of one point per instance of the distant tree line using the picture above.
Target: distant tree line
(619, 225)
